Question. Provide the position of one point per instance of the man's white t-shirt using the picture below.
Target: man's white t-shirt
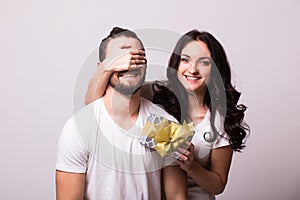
(116, 164)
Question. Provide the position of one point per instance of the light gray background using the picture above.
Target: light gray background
(45, 43)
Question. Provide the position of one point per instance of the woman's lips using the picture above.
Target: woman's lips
(192, 78)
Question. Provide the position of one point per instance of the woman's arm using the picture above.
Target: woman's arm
(215, 179)
(98, 83)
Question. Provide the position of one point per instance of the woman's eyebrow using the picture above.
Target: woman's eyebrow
(205, 57)
(186, 55)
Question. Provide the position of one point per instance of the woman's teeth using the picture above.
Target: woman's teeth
(192, 78)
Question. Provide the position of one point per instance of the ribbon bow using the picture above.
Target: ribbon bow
(166, 136)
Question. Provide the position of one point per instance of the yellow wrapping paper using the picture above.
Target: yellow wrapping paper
(168, 136)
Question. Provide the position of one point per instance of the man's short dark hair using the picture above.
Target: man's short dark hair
(115, 33)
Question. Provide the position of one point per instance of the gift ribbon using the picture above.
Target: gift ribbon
(166, 136)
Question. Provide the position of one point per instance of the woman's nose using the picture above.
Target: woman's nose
(193, 68)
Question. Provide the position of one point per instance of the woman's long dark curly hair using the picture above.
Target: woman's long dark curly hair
(220, 96)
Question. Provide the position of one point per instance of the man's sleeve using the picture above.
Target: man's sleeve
(72, 155)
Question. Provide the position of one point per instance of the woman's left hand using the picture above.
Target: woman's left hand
(186, 158)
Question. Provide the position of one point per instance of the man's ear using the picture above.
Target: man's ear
(99, 64)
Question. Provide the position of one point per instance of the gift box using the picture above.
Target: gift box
(166, 136)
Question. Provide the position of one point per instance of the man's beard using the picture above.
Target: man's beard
(127, 89)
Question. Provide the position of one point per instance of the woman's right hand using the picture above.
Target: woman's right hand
(128, 60)
(98, 83)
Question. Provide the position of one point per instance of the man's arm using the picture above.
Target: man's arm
(175, 183)
(69, 186)
(71, 164)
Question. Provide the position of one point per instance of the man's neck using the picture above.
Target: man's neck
(123, 109)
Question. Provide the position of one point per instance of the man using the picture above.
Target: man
(99, 153)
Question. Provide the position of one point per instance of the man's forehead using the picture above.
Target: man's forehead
(119, 45)
(122, 43)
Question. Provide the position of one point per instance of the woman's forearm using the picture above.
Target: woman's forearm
(212, 180)
(208, 180)
(97, 85)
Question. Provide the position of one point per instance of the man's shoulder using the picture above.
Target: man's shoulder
(151, 108)
(148, 104)
(88, 111)
(82, 126)
(85, 119)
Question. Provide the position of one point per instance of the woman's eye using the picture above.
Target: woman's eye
(204, 63)
(184, 60)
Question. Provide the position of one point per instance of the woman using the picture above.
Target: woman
(198, 90)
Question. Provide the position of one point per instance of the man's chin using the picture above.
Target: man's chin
(127, 88)
(128, 91)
